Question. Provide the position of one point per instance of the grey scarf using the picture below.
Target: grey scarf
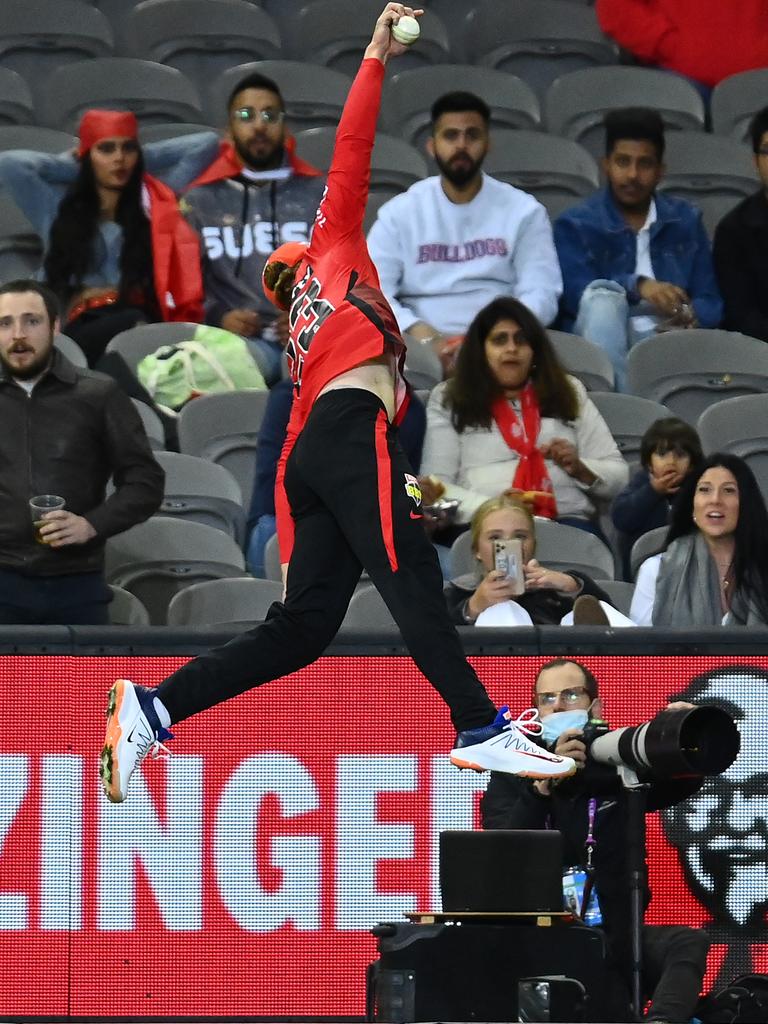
(688, 589)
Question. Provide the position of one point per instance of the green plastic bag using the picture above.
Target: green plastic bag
(213, 361)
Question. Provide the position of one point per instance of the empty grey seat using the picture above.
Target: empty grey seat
(648, 544)
(201, 492)
(367, 610)
(313, 95)
(735, 100)
(132, 345)
(395, 165)
(154, 92)
(17, 234)
(583, 359)
(37, 36)
(32, 136)
(224, 428)
(125, 609)
(169, 130)
(335, 33)
(711, 171)
(272, 560)
(558, 172)
(153, 425)
(408, 97)
(70, 349)
(576, 103)
(156, 559)
(739, 426)
(422, 366)
(538, 40)
(16, 104)
(216, 602)
(201, 38)
(628, 417)
(689, 370)
(620, 594)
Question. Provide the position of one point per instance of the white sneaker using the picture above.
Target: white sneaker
(133, 730)
(505, 747)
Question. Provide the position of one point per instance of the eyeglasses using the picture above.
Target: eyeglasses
(268, 116)
(110, 146)
(570, 696)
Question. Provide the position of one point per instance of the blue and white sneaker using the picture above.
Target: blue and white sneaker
(503, 746)
(133, 730)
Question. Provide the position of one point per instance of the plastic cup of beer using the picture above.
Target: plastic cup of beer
(39, 505)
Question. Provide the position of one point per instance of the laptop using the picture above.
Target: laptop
(501, 870)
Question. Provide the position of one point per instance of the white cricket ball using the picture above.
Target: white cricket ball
(407, 30)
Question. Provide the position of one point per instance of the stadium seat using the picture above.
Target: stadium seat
(710, 171)
(125, 609)
(648, 544)
(558, 547)
(423, 368)
(70, 349)
(314, 96)
(153, 425)
(199, 491)
(619, 594)
(37, 36)
(132, 345)
(583, 359)
(154, 92)
(735, 100)
(395, 165)
(690, 370)
(367, 610)
(576, 103)
(628, 417)
(17, 236)
(16, 103)
(201, 38)
(334, 33)
(538, 40)
(29, 136)
(272, 560)
(408, 97)
(224, 602)
(169, 130)
(224, 428)
(739, 426)
(556, 171)
(156, 559)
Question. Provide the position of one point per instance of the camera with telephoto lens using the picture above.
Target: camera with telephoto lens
(677, 743)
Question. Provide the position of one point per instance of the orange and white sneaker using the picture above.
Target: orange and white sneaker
(133, 730)
(505, 746)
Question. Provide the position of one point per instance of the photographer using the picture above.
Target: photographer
(590, 812)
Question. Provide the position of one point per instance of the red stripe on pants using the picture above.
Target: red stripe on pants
(384, 474)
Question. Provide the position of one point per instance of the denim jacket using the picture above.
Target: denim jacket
(594, 242)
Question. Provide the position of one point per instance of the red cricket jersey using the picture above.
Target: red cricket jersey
(339, 318)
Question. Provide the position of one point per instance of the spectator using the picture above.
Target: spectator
(714, 570)
(117, 252)
(741, 248)
(453, 242)
(511, 420)
(705, 41)
(669, 450)
(634, 261)
(549, 594)
(256, 195)
(262, 524)
(66, 431)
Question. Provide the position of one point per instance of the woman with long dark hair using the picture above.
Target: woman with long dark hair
(714, 569)
(117, 250)
(511, 420)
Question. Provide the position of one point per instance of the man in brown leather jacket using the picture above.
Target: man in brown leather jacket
(65, 431)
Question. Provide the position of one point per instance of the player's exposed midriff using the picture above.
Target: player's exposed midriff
(376, 375)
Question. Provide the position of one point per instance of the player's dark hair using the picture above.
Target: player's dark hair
(280, 278)
(590, 682)
(670, 432)
(254, 81)
(758, 126)
(26, 284)
(459, 103)
(471, 391)
(640, 124)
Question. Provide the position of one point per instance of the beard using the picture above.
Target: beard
(266, 161)
(30, 370)
(461, 174)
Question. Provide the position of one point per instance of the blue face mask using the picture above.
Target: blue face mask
(554, 725)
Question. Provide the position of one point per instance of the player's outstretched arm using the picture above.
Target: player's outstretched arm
(383, 44)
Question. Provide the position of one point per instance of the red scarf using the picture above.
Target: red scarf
(176, 256)
(228, 164)
(531, 474)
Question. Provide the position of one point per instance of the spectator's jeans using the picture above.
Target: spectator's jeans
(268, 355)
(266, 527)
(604, 317)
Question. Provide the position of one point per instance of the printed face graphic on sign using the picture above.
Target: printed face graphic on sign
(721, 833)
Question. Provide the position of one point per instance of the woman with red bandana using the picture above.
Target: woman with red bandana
(117, 250)
(346, 498)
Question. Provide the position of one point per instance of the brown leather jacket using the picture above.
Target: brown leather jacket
(70, 436)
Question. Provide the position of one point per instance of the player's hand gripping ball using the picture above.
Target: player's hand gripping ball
(407, 30)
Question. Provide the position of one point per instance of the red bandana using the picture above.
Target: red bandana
(531, 474)
(96, 125)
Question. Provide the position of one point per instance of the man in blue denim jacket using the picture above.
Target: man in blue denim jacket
(634, 261)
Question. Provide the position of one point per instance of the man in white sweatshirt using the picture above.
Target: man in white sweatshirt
(454, 242)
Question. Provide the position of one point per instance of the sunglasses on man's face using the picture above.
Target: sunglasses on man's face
(268, 116)
(110, 146)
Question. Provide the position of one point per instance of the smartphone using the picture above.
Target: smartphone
(508, 558)
(574, 882)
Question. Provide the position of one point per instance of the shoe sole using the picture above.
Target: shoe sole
(461, 763)
(109, 769)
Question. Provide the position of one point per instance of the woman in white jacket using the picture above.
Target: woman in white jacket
(512, 421)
